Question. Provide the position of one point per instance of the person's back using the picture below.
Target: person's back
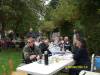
(81, 57)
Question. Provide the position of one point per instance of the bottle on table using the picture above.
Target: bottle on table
(46, 58)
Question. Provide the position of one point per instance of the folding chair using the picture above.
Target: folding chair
(19, 73)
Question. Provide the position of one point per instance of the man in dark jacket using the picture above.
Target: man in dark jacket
(31, 52)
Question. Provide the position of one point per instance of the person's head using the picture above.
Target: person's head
(66, 38)
(81, 43)
(56, 38)
(75, 30)
(30, 29)
(61, 38)
(46, 41)
(30, 42)
(51, 40)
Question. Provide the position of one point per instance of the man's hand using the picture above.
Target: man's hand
(38, 57)
(32, 57)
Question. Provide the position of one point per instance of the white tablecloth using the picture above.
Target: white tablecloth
(36, 68)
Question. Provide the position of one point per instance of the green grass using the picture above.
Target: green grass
(15, 55)
(7, 54)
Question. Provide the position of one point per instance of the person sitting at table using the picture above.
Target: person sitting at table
(54, 46)
(31, 52)
(67, 44)
(80, 55)
(44, 46)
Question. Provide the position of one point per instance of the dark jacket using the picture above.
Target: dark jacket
(81, 59)
(44, 48)
(67, 46)
(31, 34)
(81, 56)
(27, 52)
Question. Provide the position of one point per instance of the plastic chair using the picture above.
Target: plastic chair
(19, 73)
(92, 62)
(97, 62)
(83, 72)
(95, 65)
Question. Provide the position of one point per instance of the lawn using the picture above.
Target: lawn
(15, 56)
(5, 56)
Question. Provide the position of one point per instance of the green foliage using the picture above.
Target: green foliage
(81, 14)
(20, 15)
(89, 21)
(67, 10)
(63, 11)
(47, 26)
(54, 3)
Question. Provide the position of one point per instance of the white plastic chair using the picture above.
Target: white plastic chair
(83, 72)
(94, 66)
(92, 62)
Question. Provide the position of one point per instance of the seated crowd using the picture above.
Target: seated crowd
(34, 49)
